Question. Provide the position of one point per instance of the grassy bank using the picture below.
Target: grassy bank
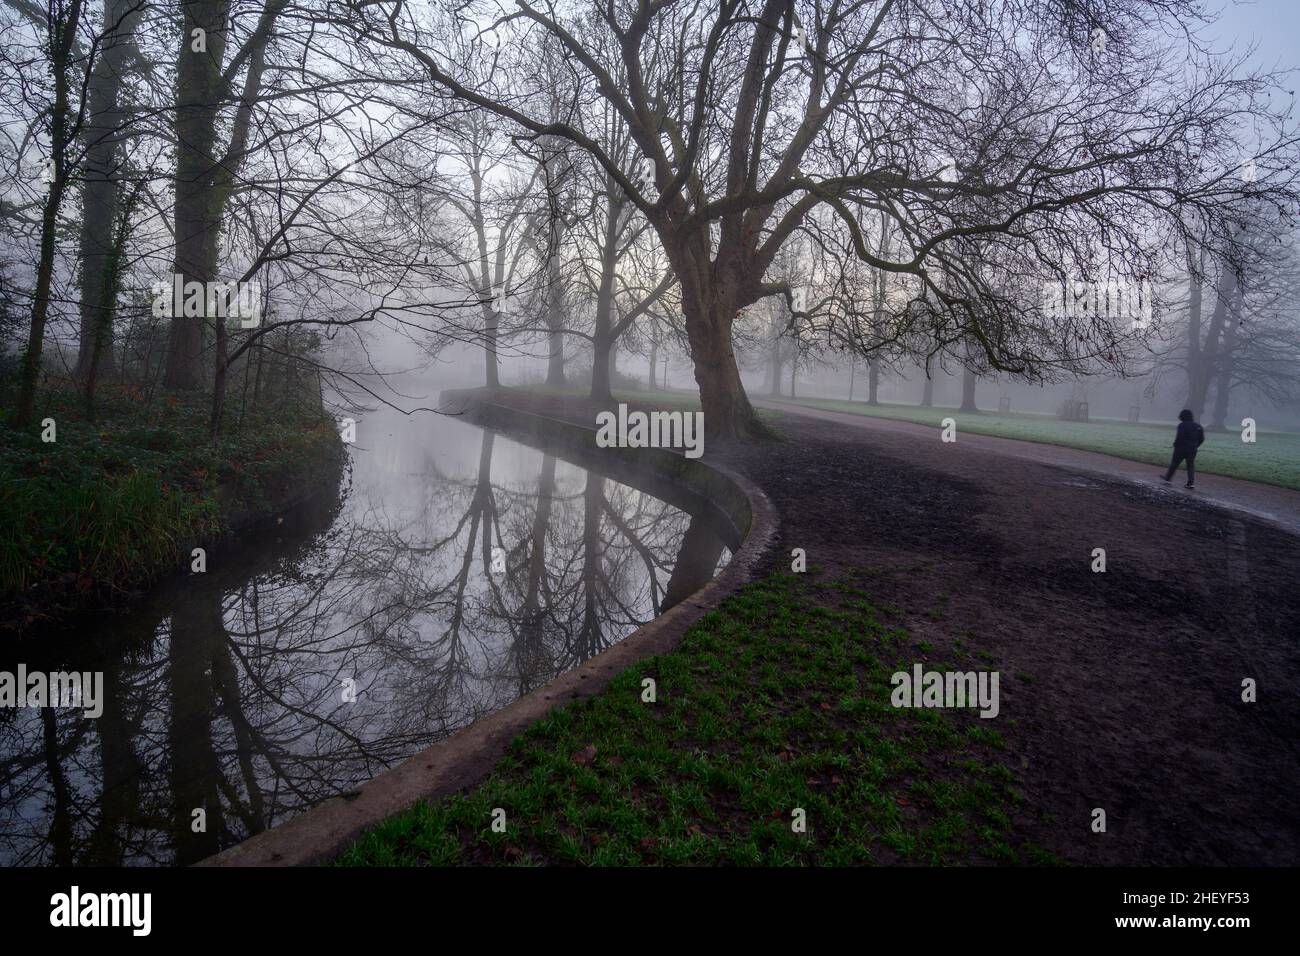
(778, 700)
(115, 502)
(1274, 458)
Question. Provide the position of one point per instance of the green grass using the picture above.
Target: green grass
(1274, 458)
(777, 701)
(117, 501)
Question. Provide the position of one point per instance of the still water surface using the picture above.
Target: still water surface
(455, 571)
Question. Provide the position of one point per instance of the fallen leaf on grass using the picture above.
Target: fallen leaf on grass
(585, 756)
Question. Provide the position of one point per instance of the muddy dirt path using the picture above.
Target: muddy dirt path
(1270, 502)
(1120, 690)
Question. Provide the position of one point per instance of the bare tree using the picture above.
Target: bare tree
(102, 226)
(66, 112)
(755, 113)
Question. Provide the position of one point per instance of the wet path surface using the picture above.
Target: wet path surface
(1270, 502)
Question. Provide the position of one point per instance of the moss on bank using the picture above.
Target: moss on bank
(114, 503)
(778, 700)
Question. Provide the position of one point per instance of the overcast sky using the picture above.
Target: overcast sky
(1272, 25)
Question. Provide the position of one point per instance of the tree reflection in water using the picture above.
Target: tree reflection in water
(226, 692)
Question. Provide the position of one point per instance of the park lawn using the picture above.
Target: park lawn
(777, 700)
(1274, 457)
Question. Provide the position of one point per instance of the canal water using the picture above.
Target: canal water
(453, 571)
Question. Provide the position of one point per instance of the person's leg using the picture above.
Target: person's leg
(1191, 469)
(1173, 464)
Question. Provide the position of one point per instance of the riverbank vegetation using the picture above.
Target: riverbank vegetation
(106, 505)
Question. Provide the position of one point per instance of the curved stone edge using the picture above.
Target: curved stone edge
(465, 758)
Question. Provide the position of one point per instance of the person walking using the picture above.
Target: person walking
(1187, 440)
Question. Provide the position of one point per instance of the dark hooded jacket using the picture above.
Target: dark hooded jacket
(1190, 436)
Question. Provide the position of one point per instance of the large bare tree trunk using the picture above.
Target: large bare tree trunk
(219, 379)
(555, 360)
(489, 276)
(99, 341)
(602, 340)
(601, 362)
(555, 325)
(774, 330)
(968, 380)
(878, 290)
(1203, 371)
(1194, 307)
(727, 412)
(204, 180)
(101, 195)
(492, 365)
(40, 311)
(711, 298)
(927, 394)
(554, 293)
(1223, 382)
(199, 93)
